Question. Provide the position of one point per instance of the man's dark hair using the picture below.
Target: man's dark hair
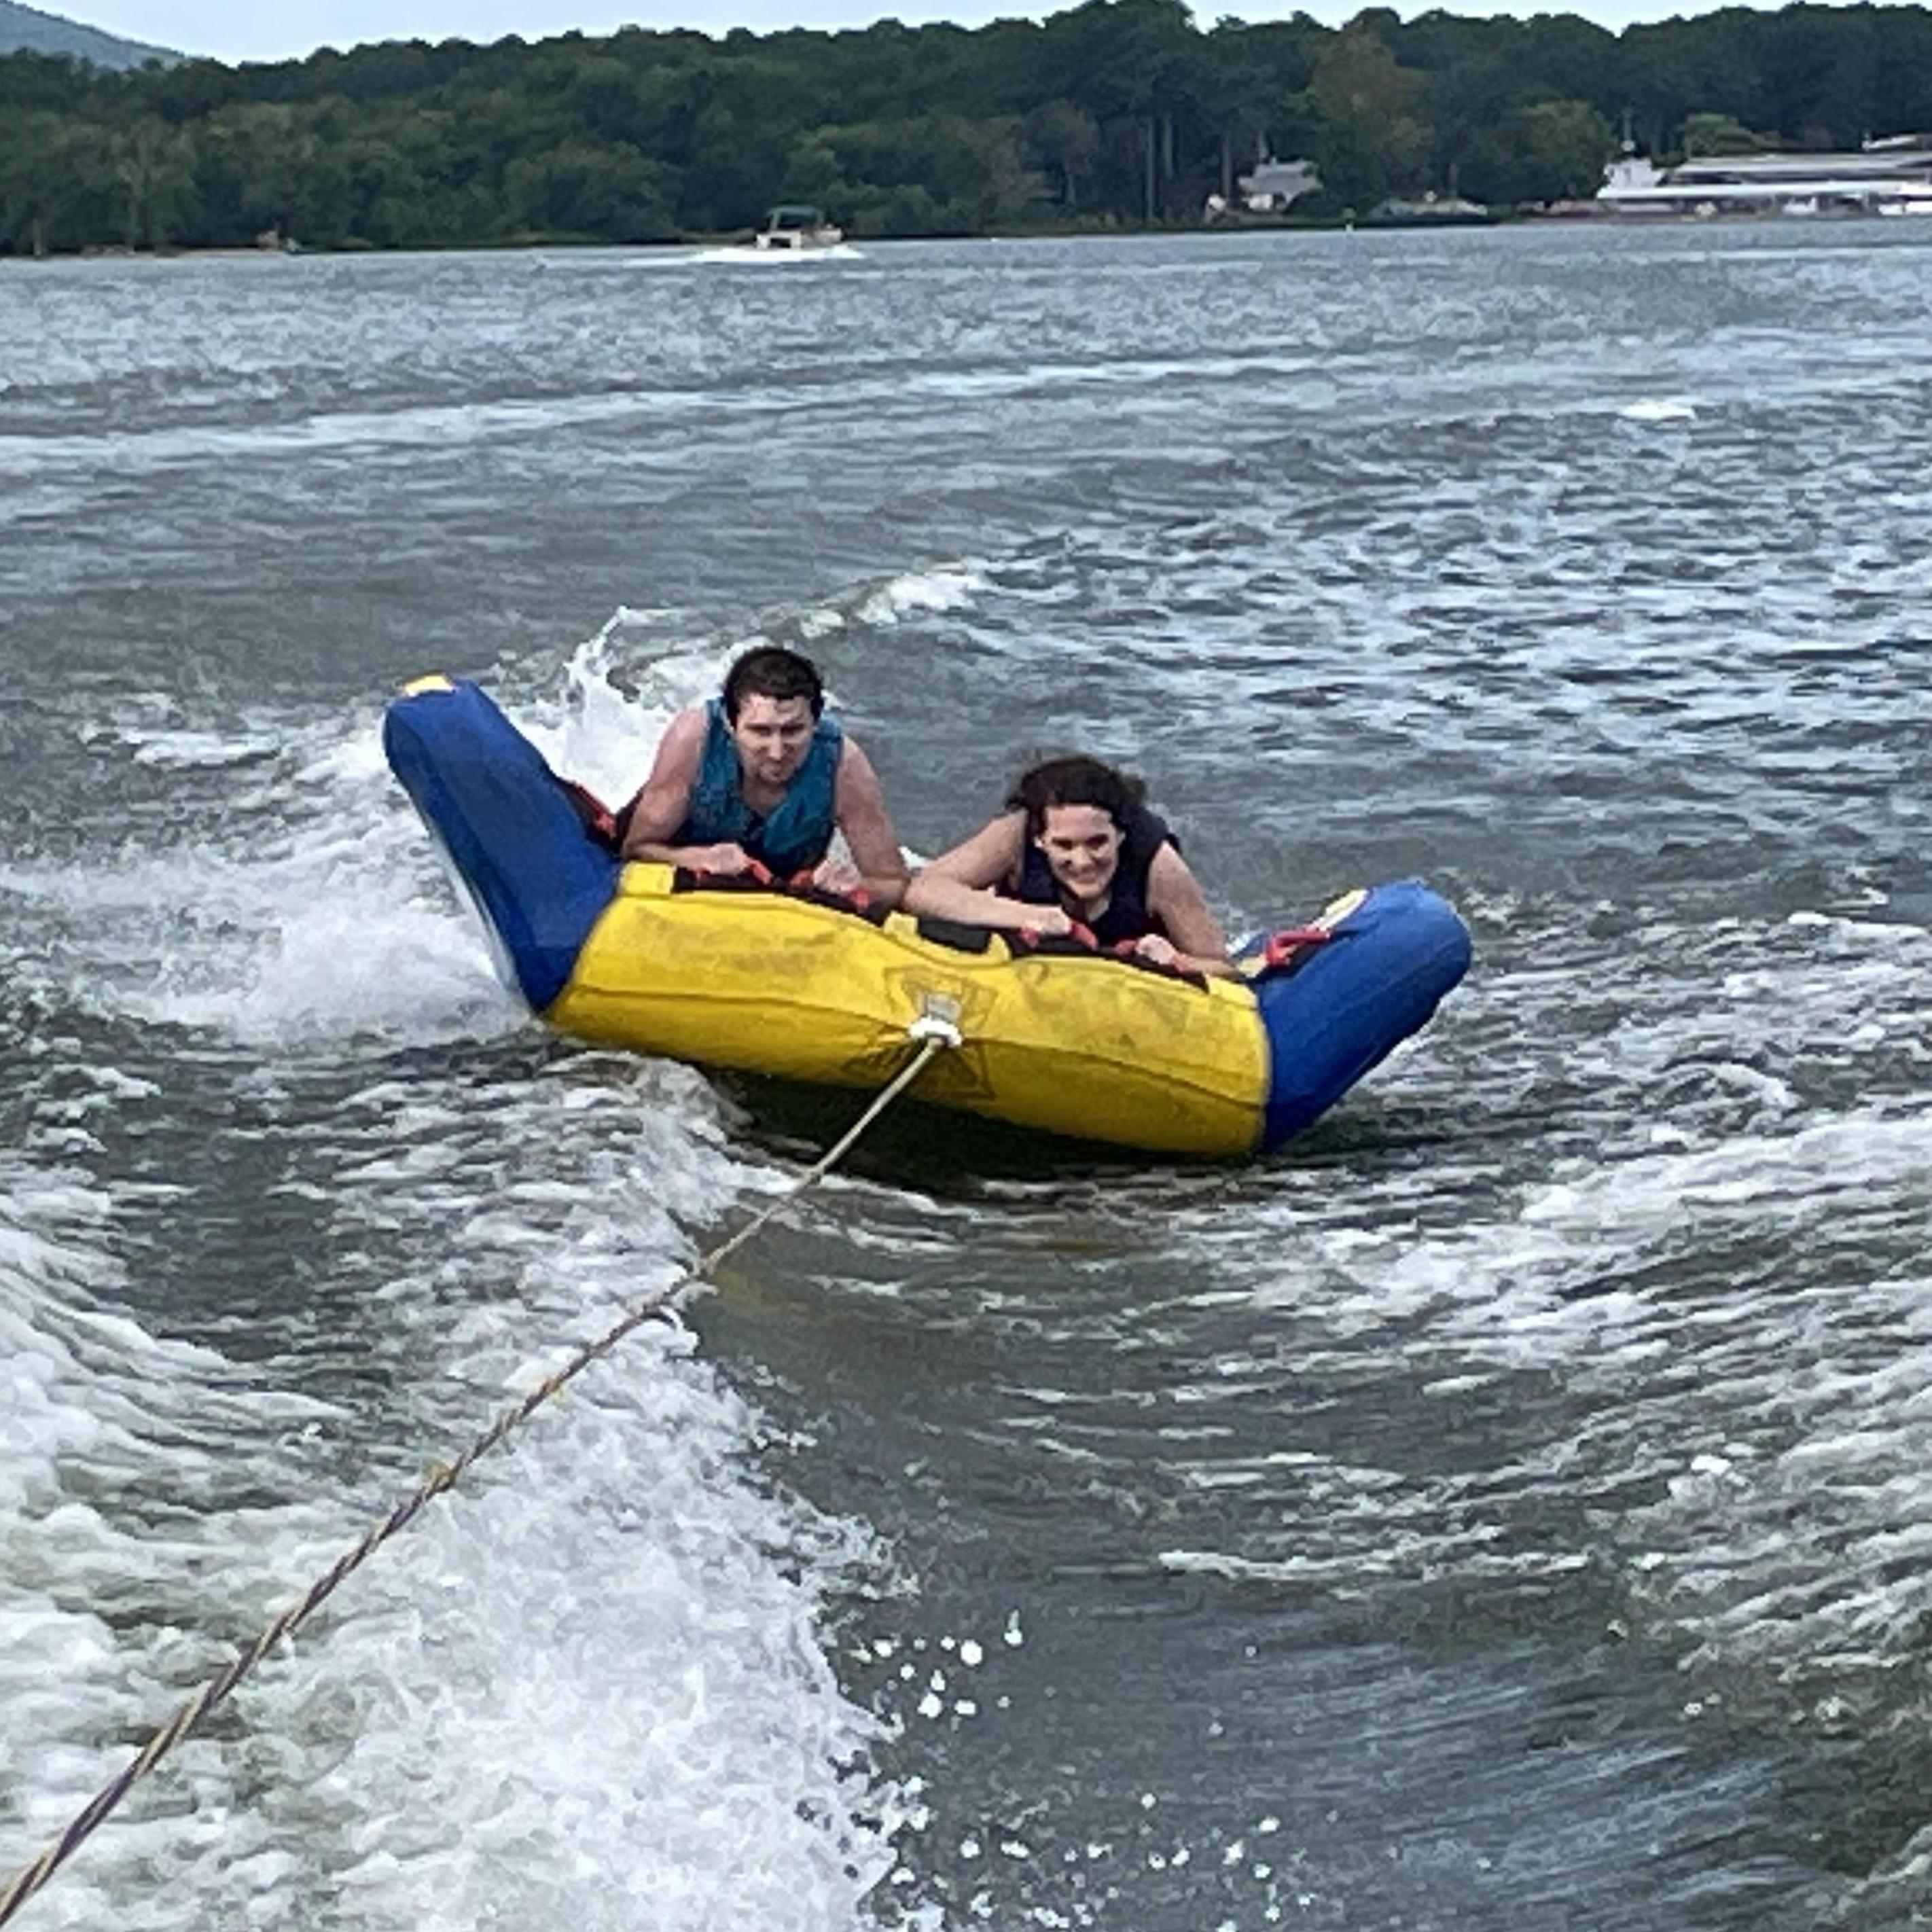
(770, 670)
(1075, 781)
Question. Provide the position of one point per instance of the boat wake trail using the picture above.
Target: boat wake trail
(302, 1202)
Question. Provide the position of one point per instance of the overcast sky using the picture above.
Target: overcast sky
(287, 29)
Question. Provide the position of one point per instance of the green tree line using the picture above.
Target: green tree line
(1116, 112)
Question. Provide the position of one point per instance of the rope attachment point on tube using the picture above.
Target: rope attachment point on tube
(938, 1020)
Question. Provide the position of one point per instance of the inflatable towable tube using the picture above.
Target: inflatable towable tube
(807, 985)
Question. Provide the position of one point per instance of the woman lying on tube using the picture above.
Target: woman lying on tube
(1077, 849)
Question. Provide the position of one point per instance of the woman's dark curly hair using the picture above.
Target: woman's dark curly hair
(1076, 781)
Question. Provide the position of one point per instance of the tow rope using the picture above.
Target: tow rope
(936, 1030)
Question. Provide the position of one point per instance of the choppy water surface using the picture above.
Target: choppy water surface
(1508, 1507)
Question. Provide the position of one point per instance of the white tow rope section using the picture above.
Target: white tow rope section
(935, 1030)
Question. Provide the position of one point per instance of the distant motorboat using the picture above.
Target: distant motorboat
(796, 227)
(1429, 211)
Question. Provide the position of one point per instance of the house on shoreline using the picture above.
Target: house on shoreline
(1263, 196)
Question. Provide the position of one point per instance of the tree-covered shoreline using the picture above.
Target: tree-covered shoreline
(1115, 114)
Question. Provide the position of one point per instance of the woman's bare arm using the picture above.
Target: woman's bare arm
(1194, 934)
(958, 884)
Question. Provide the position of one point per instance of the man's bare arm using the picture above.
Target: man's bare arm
(858, 809)
(665, 803)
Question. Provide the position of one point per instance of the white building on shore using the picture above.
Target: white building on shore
(1266, 194)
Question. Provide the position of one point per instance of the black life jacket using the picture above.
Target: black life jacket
(1128, 916)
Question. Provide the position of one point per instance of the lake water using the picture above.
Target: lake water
(1508, 1508)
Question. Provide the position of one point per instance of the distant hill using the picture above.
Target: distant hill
(27, 29)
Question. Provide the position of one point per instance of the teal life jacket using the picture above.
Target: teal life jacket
(791, 837)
